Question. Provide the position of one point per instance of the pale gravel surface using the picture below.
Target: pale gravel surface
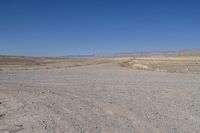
(99, 99)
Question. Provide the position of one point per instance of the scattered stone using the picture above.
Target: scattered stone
(175, 130)
(191, 105)
(42, 92)
(2, 115)
(87, 108)
(17, 128)
(14, 129)
(156, 113)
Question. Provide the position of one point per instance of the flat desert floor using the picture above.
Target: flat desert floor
(104, 98)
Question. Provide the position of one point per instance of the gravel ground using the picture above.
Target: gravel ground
(102, 98)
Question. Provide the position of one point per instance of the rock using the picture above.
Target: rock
(42, 92)
(2, 115)
(191, 105)
(156, 113)
(18, 127)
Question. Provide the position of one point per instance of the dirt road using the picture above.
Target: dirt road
(102, 98)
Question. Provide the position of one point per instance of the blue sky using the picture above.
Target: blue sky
(70, 27)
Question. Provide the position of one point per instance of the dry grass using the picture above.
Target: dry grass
(166, 64)
(30, 63)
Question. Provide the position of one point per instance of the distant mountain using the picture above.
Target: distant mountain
(79, 56)
(136, 54)
(189, 52)
(185, 52)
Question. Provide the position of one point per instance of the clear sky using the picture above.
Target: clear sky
(70, 27)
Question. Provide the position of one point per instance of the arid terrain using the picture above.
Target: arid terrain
(10, 63)
(177, 64)
(40, 95)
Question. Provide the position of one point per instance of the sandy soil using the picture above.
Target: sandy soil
(102, 98)
(14, 63)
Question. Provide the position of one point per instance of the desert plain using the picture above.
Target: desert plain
(98, 95)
